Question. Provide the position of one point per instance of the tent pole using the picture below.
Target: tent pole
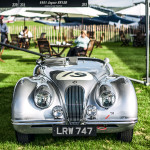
(147, 41)
(18, 3)
(82, 24)
(59, 26)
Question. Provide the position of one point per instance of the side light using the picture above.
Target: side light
(91, 110)
(57, 111)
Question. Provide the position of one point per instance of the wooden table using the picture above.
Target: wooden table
(59, 53)
(139, 40)
(132, 36)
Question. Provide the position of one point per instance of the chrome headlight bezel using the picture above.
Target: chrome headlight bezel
(42, 96)
(105, 96)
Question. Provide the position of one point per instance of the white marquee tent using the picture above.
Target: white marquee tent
(22, 12)
(68, 11)
(137, 10)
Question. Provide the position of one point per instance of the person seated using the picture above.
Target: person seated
(25, 33)
(25, 36)
(82, 44)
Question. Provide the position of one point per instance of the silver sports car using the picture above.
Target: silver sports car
(74, 97)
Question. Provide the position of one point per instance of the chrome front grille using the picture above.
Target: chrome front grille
(74, 103)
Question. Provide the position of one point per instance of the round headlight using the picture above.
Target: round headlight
(91, 110)
(57, 111)
(42, 98)
(106, 99)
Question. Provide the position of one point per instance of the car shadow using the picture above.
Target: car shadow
(47, 139)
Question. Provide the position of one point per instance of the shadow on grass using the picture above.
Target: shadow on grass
(6, 128)
(133, 57)
(32, 45)
(46, 139)
(6, 57)
(28, 61)
(3, 76)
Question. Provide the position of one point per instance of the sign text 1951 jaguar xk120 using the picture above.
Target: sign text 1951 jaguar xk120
(74, 97)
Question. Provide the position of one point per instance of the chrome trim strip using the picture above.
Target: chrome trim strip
(47, 120)
(37, 122)
(112, 120)
(109, 122)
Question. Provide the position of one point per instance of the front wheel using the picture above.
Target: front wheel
(125, 136)
(24, 138)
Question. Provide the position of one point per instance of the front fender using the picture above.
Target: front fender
(125, 106)
(23, 106)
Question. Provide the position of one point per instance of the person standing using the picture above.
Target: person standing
(3, 31)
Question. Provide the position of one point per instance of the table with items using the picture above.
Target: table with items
(59, 45)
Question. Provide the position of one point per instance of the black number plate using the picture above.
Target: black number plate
(74, 130)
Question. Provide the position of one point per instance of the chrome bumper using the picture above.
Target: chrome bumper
(113, 126)
(45, 127)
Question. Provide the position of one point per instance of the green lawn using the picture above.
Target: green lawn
(127, 61)
(27, 23)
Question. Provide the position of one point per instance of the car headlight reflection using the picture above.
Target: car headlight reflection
(57, 111)
(106, 99)
(91, 110)
(42, 98)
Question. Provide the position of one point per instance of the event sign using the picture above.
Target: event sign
(44, 3)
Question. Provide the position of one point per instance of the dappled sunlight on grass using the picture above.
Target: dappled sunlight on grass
(126, 61)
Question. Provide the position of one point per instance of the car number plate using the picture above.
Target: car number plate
(74, 130)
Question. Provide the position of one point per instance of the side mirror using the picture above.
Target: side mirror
(106, 60)
(38, 62)
(108, 66)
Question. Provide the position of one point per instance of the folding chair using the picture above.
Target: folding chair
(124, 40)
(44, 47)
(90, 34)
(89, 50)
(42, 37)
(15, 40)
(98, 43)
(139, 40)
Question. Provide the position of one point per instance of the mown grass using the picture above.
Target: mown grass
(27, 23)
(127, 61)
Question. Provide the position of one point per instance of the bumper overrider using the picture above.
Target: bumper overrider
(46, 126)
